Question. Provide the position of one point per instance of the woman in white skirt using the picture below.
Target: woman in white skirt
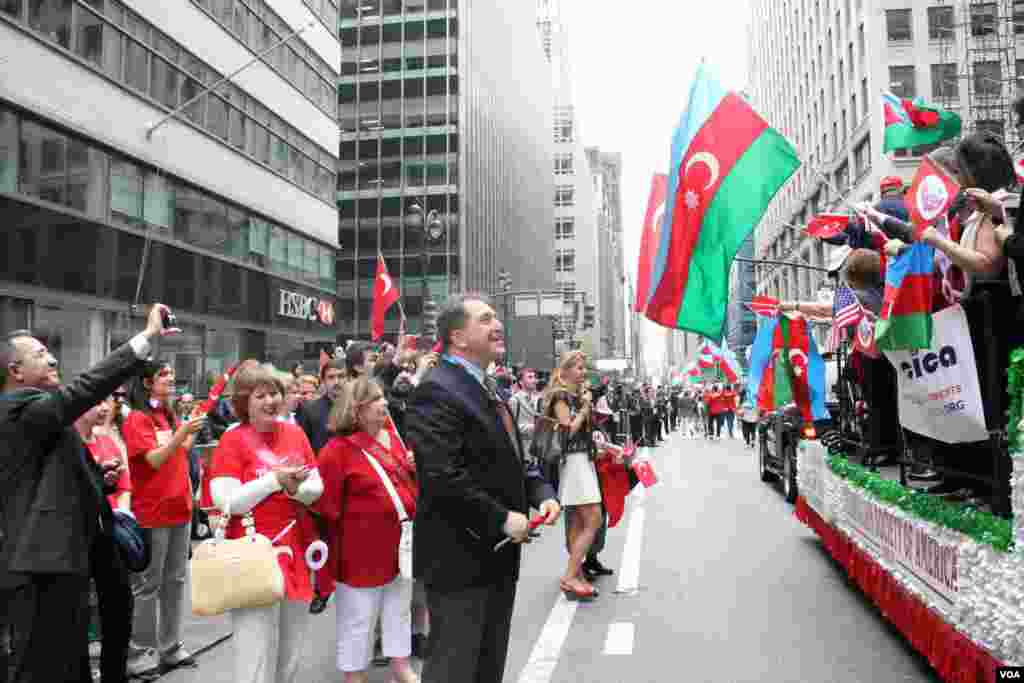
(567, 401)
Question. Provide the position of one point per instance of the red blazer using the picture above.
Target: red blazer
(363, 528)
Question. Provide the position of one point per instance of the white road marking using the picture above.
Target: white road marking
(544, 657)
(620, 638)
(629, 570)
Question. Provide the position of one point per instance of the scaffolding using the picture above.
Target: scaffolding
(976, 73)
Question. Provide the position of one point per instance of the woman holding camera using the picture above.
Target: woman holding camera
(264, 475)
(570, 404)
(157, 445)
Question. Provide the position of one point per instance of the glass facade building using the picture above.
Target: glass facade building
(227, 212)
(445, 105)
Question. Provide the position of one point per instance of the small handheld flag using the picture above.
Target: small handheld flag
(385, 294)
(827, 226)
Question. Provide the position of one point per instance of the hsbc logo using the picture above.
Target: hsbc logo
(302, 307)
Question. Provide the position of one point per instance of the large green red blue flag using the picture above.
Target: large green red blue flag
(727, 164)
(905, 322)
(786, 367)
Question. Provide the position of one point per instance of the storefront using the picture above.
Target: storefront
(70, 281)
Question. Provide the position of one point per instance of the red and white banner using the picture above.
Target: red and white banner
(939, 393)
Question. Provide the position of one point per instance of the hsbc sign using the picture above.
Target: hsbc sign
(302, 307)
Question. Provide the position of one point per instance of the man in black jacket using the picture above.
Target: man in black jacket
(312, 416)
(54, 517)
(475, 490)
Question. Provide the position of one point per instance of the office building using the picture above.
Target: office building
(817, 71)
(445, 125)
(606, 171)
(227, 206)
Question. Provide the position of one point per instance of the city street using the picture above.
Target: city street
(731, 588)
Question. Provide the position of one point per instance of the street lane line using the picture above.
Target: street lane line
(620, 638)
(629, 571)
(544, 657)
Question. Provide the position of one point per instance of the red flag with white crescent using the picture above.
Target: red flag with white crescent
(827, 225)
(930, 196)
(385, 294)
(764, 305)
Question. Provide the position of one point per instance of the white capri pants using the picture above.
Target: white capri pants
(358, 610)
(269, 641)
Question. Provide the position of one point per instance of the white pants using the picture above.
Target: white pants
(268, 641)
(358, 610)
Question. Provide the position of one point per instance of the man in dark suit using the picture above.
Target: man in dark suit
(312, 416)
(54, 518)
(475, 490)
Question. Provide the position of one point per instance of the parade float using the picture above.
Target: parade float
(950, 578)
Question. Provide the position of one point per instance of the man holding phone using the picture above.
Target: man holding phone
(53, 514)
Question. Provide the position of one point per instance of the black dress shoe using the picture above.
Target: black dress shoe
(419, 646)
(594, 566)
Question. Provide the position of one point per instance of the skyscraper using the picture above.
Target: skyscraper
(116, 157)
(445, 117)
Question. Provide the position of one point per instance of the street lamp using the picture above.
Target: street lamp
(433, 231)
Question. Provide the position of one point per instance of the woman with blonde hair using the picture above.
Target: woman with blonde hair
(567, 401)
(363, 463)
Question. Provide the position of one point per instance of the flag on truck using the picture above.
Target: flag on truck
(905, 322)
(785, 367)
(727, 164)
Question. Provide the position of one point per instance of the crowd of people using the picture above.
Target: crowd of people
(348, 458)
(975, 253)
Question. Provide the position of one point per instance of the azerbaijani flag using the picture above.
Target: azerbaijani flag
(909, 123)
(905, 323)
(786, 367)
(727, 164)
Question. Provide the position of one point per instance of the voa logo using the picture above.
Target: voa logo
(928, 363)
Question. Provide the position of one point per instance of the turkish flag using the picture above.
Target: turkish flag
(764, 305)
(827, 225)
(649, 239)
(385, 294)
(930, 196)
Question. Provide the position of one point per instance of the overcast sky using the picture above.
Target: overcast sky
(632, 64)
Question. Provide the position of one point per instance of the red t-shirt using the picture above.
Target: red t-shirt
(717, 404)
(160, 497)
(728, 401)
(364, 524)
(246, 454)
(103, 450)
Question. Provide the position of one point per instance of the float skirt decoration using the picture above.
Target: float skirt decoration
(957, 598)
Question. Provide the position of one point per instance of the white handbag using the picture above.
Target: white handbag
(235, 573)
(405, 542)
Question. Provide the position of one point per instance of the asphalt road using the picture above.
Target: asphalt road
(729, 587)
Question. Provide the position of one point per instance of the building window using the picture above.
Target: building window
(130, 50)
(565, 195)
(565, 228)
(897, 22)
(564, 124)
(990, 126)
(565, 260)
(1018, 17)
(983, 19)
(988, 77)
(940, 23)
(902, 82)
(853, 111)
(259, 28)
(563, 163)
(944, 81)
(864, 100)
(862, 157)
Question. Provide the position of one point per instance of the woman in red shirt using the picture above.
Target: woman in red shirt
(365, 531)
(264, 475)
(157, 446)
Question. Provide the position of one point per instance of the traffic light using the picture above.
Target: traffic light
(589, 313)
(556, 329)
(430, 318)
(505, 280)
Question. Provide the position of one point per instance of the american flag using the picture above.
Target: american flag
(846, 311)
